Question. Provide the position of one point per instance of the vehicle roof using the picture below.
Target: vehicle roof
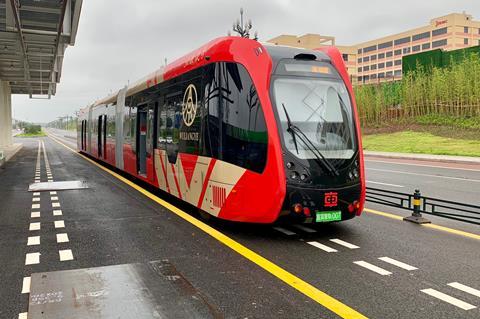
(196, 58)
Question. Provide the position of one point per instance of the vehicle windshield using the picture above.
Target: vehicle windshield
(321, 109)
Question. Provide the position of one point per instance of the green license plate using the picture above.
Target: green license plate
(332, 216)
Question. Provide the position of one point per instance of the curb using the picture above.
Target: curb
(425, 157)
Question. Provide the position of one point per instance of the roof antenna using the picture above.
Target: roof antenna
(243, 29)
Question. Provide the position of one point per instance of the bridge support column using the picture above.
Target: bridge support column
(5, 115)
(6, 139)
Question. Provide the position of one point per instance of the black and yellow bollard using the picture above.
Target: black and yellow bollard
(416, 216)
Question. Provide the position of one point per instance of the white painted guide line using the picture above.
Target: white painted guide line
(322, 247)
(33, 240)
(34, 214)
(449, 299)
(32, 259)
(62, 238)
(305, 229)
(35, 206)
(397, 263)
(284, 231)
(385, 184)
(23, 315)
(57, 212)
(53, 193)
(55, 204)
(427, 175)
(34, 226)
(65, 255)
(59, 224)
(26, 285)
(373, 268)
(468, 290)
(53, 198)
(344, 243)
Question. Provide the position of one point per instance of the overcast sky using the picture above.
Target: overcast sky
(123, 40)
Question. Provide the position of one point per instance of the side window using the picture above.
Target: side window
(150, 116)
(211, 112)
(126, 121)
(190, 112)
(133, 125)
(111, 120)
(244, 132)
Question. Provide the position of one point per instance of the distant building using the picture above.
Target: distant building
(381, 59)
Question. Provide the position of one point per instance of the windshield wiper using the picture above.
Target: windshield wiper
(294, 130)
(320, 157)
(289, 129)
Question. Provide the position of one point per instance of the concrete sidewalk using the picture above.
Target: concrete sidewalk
(8, 152)
(425, 157)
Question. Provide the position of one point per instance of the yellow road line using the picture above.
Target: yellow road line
(433, 226)
(376, 212)
(319, 296)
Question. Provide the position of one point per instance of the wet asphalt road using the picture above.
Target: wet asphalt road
(111, 224)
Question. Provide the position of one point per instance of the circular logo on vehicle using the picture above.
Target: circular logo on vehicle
(189, 108)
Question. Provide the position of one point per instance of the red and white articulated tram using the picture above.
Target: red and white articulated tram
(243, 131)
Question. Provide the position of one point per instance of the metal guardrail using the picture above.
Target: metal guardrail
(419, 204)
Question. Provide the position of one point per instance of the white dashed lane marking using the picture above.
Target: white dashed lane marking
(449, 299)
(33, 240)
(53, 193)
(65, 254)
(62, 238)
(322, 247)
(34, 226)
(26, 285)
(35, 206)
(57, 212)
(32, 259)
(36, 199)
(55, 204)
(373, 268)
(34, 214)
(59, 224)
(36, 194)
(53, 198)
(397, 263)
(23, 315)
(344, 243)
(468, 290)
(285, 231)
(305, 229)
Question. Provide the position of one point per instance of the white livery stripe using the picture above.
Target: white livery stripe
(373, 268)
(397, 263)
(449, 299)
(464, 288)
(305, 229)
(284, 231)
(322, 247)
(344, 243)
